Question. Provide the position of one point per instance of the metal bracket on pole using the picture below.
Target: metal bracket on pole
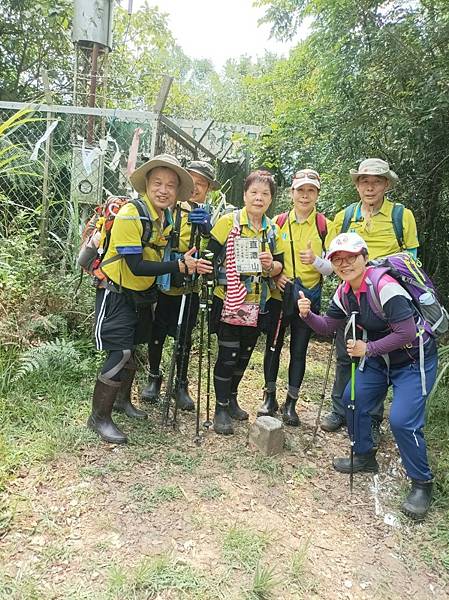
(158, 109)
(206, 131)
(43, 233)
(226, 151)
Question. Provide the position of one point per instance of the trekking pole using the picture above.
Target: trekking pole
(189, 291)
(352, 406)
(203, 308)
(171, 374)
(273, 349)
(209, 289)
(323, 393)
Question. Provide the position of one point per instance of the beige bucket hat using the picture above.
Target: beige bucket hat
(139, 177)
(374, 166)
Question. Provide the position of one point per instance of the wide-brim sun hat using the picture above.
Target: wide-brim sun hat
(374, 166)
(138, 178)
(306, 176)
(347, 242)
(206, 170)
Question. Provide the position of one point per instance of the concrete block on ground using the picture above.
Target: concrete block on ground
(267, 435)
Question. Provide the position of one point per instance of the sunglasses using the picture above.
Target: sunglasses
(306, 174)
(338, 261)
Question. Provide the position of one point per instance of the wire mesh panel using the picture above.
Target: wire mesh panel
(52, 177)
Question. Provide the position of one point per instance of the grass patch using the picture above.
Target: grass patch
(267, 465)
(435, 545)
(41, 420)
(153, 576)
(186, 462)
(97, 471)
(212, 491)
(303, 473)
(243, 547)
(20, 587)
(263, 584)
(148, 499)
(298, 572)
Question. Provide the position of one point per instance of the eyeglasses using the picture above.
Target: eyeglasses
(338, 261)
(307, 174)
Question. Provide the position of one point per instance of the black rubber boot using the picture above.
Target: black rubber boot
(222, 419)
(235, 411)
(100, 419)
(151, 392)
(289, 415)
(332, 422)
(363, 463)
(417, 504)
(182, 397)
(269, 405)
(123, 402)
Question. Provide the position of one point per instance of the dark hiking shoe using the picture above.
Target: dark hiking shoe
(363, 463)
(289, 415)
(182, 397)
(417, 504)
(100, 419)
(332, 422)
(375, 432)
(269, 406)
(235, 411)
(123, 402)
(222, 419)
(151, 392)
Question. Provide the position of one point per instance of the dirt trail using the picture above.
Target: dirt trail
(84, 525)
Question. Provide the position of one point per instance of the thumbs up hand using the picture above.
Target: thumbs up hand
(307, 256)
(303, 305)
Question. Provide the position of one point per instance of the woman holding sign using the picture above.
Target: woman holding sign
(246, 255)
(304, 235)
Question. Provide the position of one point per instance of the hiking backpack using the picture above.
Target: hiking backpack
(397, 217)
(320, 221)
(97, 234)
(408, 273)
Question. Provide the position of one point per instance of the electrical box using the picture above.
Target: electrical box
(92, 22)
(86, 185)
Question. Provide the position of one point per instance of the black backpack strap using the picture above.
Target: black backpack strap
(397, 218)
(145, 218)
(349, 213)
(176, 231)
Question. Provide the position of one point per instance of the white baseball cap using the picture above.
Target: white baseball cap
(306, 176)
(347, 242)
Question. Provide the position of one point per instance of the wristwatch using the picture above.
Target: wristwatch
(183, 261)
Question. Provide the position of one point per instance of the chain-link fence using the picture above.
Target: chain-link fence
(51, 178)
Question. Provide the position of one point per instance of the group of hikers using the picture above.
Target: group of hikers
(267, 275)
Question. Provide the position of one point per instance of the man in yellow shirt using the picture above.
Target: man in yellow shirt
(191, 222)
(387, 228)
(125, 299)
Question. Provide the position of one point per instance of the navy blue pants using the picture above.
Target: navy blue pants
(406, 414)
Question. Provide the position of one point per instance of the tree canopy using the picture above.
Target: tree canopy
(371, 79)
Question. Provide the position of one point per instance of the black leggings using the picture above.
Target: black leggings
(299, 340)
(114, 365)
(235, 347)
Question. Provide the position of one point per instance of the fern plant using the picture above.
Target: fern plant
(49, 356)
